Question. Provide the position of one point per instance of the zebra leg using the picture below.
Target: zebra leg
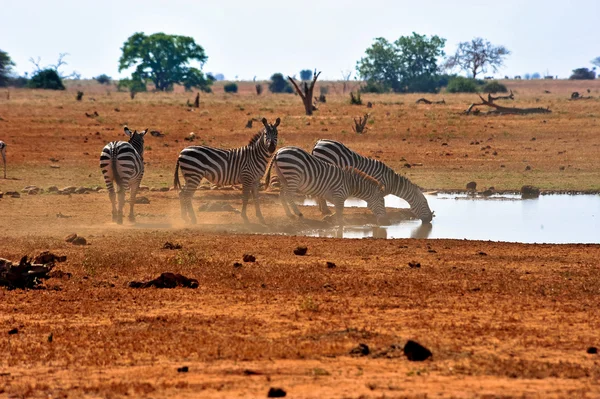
(185, 198)
(283, 198)
(246, 190)
(134, 188)
(339, 211)
(259, 215)
(323, 206)
(121, 195)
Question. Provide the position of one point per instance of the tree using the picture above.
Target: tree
(278, 84)
(5, 66)
(46, 79)
(307, 94)
(536, 75)
(477, 56)
(409, 64)
(306, 74)
(164, 60)
(583, 74)
(103, 79)
(596, 62)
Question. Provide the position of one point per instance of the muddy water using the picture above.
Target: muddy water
(556, 219)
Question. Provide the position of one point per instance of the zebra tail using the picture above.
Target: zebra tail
(113, 165)
(176, 182)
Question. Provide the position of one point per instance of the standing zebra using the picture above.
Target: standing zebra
(244, 165)
(338, 154)
(123, 163)
(299, 171)
(3, 152)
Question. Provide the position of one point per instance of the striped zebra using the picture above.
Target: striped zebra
(338, 154)
(245, 165)
(3, 152)
(122, 162)
(300, 172)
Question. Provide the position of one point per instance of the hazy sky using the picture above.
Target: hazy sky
(260, 37)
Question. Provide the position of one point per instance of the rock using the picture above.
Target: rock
(24, 274)
(13, 194)
(276, 393)
(487, 192)
(414, 265)
(472, 186)
(48, 257)
(415, 352)
(167, 280)
(170, 245)
(481, 253)
(1, 194)
(300, 251)
(529, 192)
(249, 258)
(183, 369)
(154, 189)
(143, 188)
(190, 137)
(13, 331)
(142, 200)
(331, 265)
(52, 189)
(71, 237)
(527, 167)
(163, 189)
(237, 265)
(81, 190)
(592, 350)
(79, 241)
(360, 350)
(68, 190)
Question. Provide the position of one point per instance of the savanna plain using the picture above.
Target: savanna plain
(503, 320)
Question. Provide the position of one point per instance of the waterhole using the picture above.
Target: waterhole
(552, 219)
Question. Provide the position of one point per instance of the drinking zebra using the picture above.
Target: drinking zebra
(300, 172)
(3, 152)
(123, 163)
(244, 165)
(338, 154)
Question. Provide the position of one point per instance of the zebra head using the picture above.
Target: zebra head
(136, 139)
(270, 136)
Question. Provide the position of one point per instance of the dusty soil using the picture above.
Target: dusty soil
(502, 320)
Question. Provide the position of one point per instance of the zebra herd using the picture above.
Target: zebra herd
(332, 172)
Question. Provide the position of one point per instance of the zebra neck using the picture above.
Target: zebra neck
(138, 145)
(260, 147)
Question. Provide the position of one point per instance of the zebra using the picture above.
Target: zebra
(3, 152)
(122, 162)
(338, 154)
(299, 171)
(244, 165)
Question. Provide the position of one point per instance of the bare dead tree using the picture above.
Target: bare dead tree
(426, 101)
(499, 110)
(511, 96)
(360, 125)
(307, 95)
(345, 78)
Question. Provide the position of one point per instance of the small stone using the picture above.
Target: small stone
(481, 253)
(414, 265)
(50, 337)
(360, 350)
(237, 265)
(170, 245)
(52, 189)
(276, 393)
(249, 258)
(300, 250)
(183, 369)
(527, 167)
(142, 200)
(331, 265)
(79, 241)
(13, 331)
(415, 352)
(592, 350)
(472, 185)
(71, 237)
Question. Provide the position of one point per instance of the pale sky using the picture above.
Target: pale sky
(261, 37)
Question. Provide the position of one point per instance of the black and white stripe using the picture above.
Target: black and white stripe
(245, 165)
(338, 154)
(3, 152)
(300, 172)
(122, 163)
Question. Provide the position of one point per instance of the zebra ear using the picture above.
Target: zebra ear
(144, 132)
(265, 122)
(277, 122)
(128, 132)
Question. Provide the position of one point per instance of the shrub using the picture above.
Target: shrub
(46, 79)
(279, 84)
(231, 87)
(103, 79)
(462, 85)
(355, 99)
(259, 89)
(494, 87)
(306, 74)
(583, 74)
(18, 82)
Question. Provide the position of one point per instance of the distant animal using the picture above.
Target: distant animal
(518, 77)
(122, 163)
(245, 165)
(300, 172)
(156, 133)
(3, 152)
(488, 77)
(338, 154)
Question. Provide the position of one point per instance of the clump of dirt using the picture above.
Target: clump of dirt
(249, 258)
(276, 393)
(74, 239)
(331, 265)
(167, 280)
(300, 250)
(415, 352)
(360, 350)
(170, 245)
(23, 275)
(414, 265)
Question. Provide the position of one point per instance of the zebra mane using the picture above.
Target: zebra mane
(255, 138)
(362, 175)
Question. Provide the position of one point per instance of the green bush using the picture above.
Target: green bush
(46, 79)
(374, 87)
(231, 87)
(103, 79)
(462, 85)
(494, 87)
(279, 84)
